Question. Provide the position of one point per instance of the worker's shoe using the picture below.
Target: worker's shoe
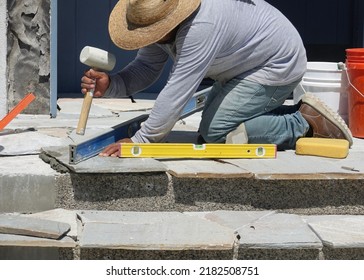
(324, 122)
(237, 136)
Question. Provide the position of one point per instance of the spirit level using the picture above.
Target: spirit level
(182, 150)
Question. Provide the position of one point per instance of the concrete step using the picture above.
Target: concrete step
(160, 191)
(243, 235)
(28, 185)
(174, 209)
(289, 183)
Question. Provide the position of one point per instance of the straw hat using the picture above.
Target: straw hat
(137, 23)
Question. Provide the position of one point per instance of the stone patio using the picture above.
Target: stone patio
(291, 207)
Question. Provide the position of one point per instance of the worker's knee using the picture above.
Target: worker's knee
(236, 136)
(213, 136)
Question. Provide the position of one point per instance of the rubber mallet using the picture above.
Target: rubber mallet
(99, 60)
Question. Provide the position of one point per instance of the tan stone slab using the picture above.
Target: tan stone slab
(19, 225)
(205, 169)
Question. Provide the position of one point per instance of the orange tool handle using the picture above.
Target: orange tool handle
(17, 110)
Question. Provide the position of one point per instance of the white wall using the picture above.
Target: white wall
(3, 44)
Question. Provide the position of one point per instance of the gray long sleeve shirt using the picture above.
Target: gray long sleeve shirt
(223, 39)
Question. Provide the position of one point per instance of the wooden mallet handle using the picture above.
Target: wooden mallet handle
(99, 60)
(86, 105)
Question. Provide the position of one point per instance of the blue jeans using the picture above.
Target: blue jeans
(259, 107)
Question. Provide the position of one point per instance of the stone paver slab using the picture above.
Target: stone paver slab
(309, 167)
(10, 240)
(176, 232)
(232, 219)
(102, 164)
(18, 225)
(278, 231)
(73, 106)
(205, 169)
(27, 143)
(123, 105)
(25, 165)
(59, 215)
(338, 231)
(121, 217)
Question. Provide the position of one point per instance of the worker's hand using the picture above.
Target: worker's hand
(92, 79)
(113, 150)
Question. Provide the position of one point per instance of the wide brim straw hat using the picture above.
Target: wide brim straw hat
(134, 24)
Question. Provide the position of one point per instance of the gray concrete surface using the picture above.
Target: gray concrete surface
(28, 53)
(27, 184)
(291, 207)
(3, 58)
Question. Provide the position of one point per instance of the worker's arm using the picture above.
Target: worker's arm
(141, 73)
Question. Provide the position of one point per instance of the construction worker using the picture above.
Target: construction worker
(251, 50)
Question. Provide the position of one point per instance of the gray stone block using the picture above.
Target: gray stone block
(27, 185)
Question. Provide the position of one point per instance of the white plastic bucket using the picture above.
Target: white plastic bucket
(326, 81)
(323, 70)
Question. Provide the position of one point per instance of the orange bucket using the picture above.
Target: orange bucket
(355, 52)
(355, 71)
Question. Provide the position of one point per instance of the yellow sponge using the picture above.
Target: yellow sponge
(323, 147)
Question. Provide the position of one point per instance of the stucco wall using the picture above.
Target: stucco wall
(3, 90)
(28, 55)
